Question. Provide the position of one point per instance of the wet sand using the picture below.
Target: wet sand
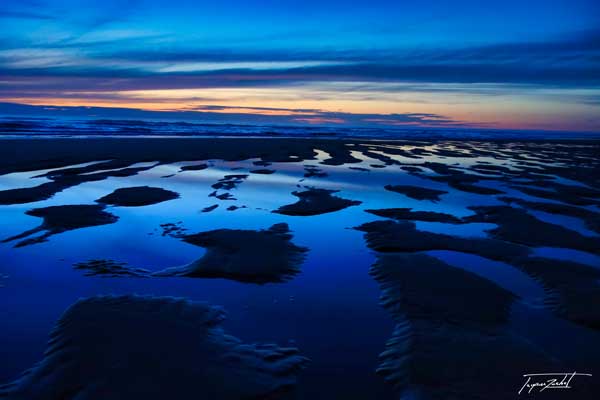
(459, 331)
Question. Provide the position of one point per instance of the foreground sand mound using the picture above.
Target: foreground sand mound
(445, 317)
(58, 219)
(138, 196)
(570, 287)
(244, 255)
(133, 347)
(314, 202)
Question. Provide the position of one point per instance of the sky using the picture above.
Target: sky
(504, 65)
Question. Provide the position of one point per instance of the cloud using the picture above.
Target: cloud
(569, 62)
(251, 115)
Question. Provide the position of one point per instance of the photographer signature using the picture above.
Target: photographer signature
(541, 382)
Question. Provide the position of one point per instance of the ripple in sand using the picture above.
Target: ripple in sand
(110, 269)
(134, 347)
(450, 323)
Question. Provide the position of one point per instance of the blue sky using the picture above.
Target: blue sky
(510, 64)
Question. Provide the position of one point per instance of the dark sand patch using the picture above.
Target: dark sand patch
(450, 341)
(312, 171)
(316, 201)
(233, 208)
(416, 192)
(408, 214)
(248, 256)
(173, 229)
(412, 169)
(110, 269)
(197, 167)
(263, 171)
(377, 165)
(261, 163)
(138, 196)
(561, 196)
(465, 183)
(209, 208)
(590, 218)
(391, 236)
(62, 180)
(134, 347)
(58, 219)
(572, 289)
(229, 182)
(517, 226)
(222, 196)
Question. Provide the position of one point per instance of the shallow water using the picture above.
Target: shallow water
(330, 311)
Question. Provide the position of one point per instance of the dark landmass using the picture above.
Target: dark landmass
(465, 183)
(229, 182)
(263, 171)
(408, 214)
(590, 218)
(134, 347)
(110, 269)
(261, 163)
(312, 171)
(316, 201)
(570, 287)
(65, 179)
(197, 167)
(561, 196)
(391, 236)
(222, 196)
(173, 229)
(233, 208)
(517, 226)
(409, 168)
(209, 208)
(416, 192)
(58, 219)
(248, 256)
(138, 196)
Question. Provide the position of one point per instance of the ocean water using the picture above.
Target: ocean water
(31, 126)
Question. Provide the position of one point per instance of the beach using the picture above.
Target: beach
(304, 267)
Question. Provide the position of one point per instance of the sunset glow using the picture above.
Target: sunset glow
(323, 65)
